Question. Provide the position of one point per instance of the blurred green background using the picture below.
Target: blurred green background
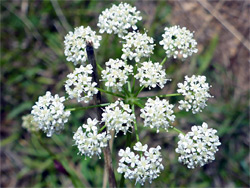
(33, 61)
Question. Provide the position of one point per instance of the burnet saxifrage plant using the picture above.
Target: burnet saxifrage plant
(125, 78)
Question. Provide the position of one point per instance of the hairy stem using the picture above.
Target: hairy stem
(97, 101)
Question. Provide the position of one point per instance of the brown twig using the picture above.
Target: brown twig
(208, 20)
(98, 100)
(225, 23)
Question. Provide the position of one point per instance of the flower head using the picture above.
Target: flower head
(141, 168)
(198, 146)
(116, 74)
(158, 114)
(195, 90)
(29, 123)
(75, 44)
(79, 84)
(118, 116)
(178, 41)
(49, 113)
(89, 141)
(136, 46)
(151, 74)
(118, 19)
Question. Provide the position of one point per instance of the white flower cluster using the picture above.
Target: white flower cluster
(75, 44)
(118, 116)
(196, 92)
(79, 84)
(136, 46)
(116, 74)
(89, 142)
(158, 114)
(178, 41)
(198, 147)
(146, 167)
(49, 113)
(118, 19)
(29, 123)
(151, 74)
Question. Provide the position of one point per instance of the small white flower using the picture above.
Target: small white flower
(151, 75)
(178, 41)
(29, 123)
(79, 84)
(146, 167)
(75, 44)
(88, 140)
(136, 46)
(198, 146)
(118, 19)
(139, 147)
(118, 116)
(196, 93)
(158, 114)
(116, 74)
(49, 113)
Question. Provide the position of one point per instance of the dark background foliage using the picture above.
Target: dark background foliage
(32, 62)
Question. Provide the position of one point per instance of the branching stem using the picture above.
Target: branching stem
(161, 96)
(87, 107)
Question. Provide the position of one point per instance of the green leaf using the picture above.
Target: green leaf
(19, 109)
(72, 174)
(206, 57)
(9, 139)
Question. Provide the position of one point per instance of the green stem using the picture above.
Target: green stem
(135, 124)
(134, 71)
(138, 104)
(126, 91)
(164, 60)
(129, 87)
(137, 93)
(101, 129)
(111, 93)
(87, 107)
(99, 66)
(177, 130)
(161, 96)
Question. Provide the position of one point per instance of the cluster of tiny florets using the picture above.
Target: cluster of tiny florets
(136, 46)
(29, 123)
(116, 74)
(198, 146)
(178, 41)
(158, 114)
(79, 84)
(118, 116)
(196, 93)
(118, 19)
(151, 75)
(140, 168)
(75, 44)
(89, 141)
(49, 113)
